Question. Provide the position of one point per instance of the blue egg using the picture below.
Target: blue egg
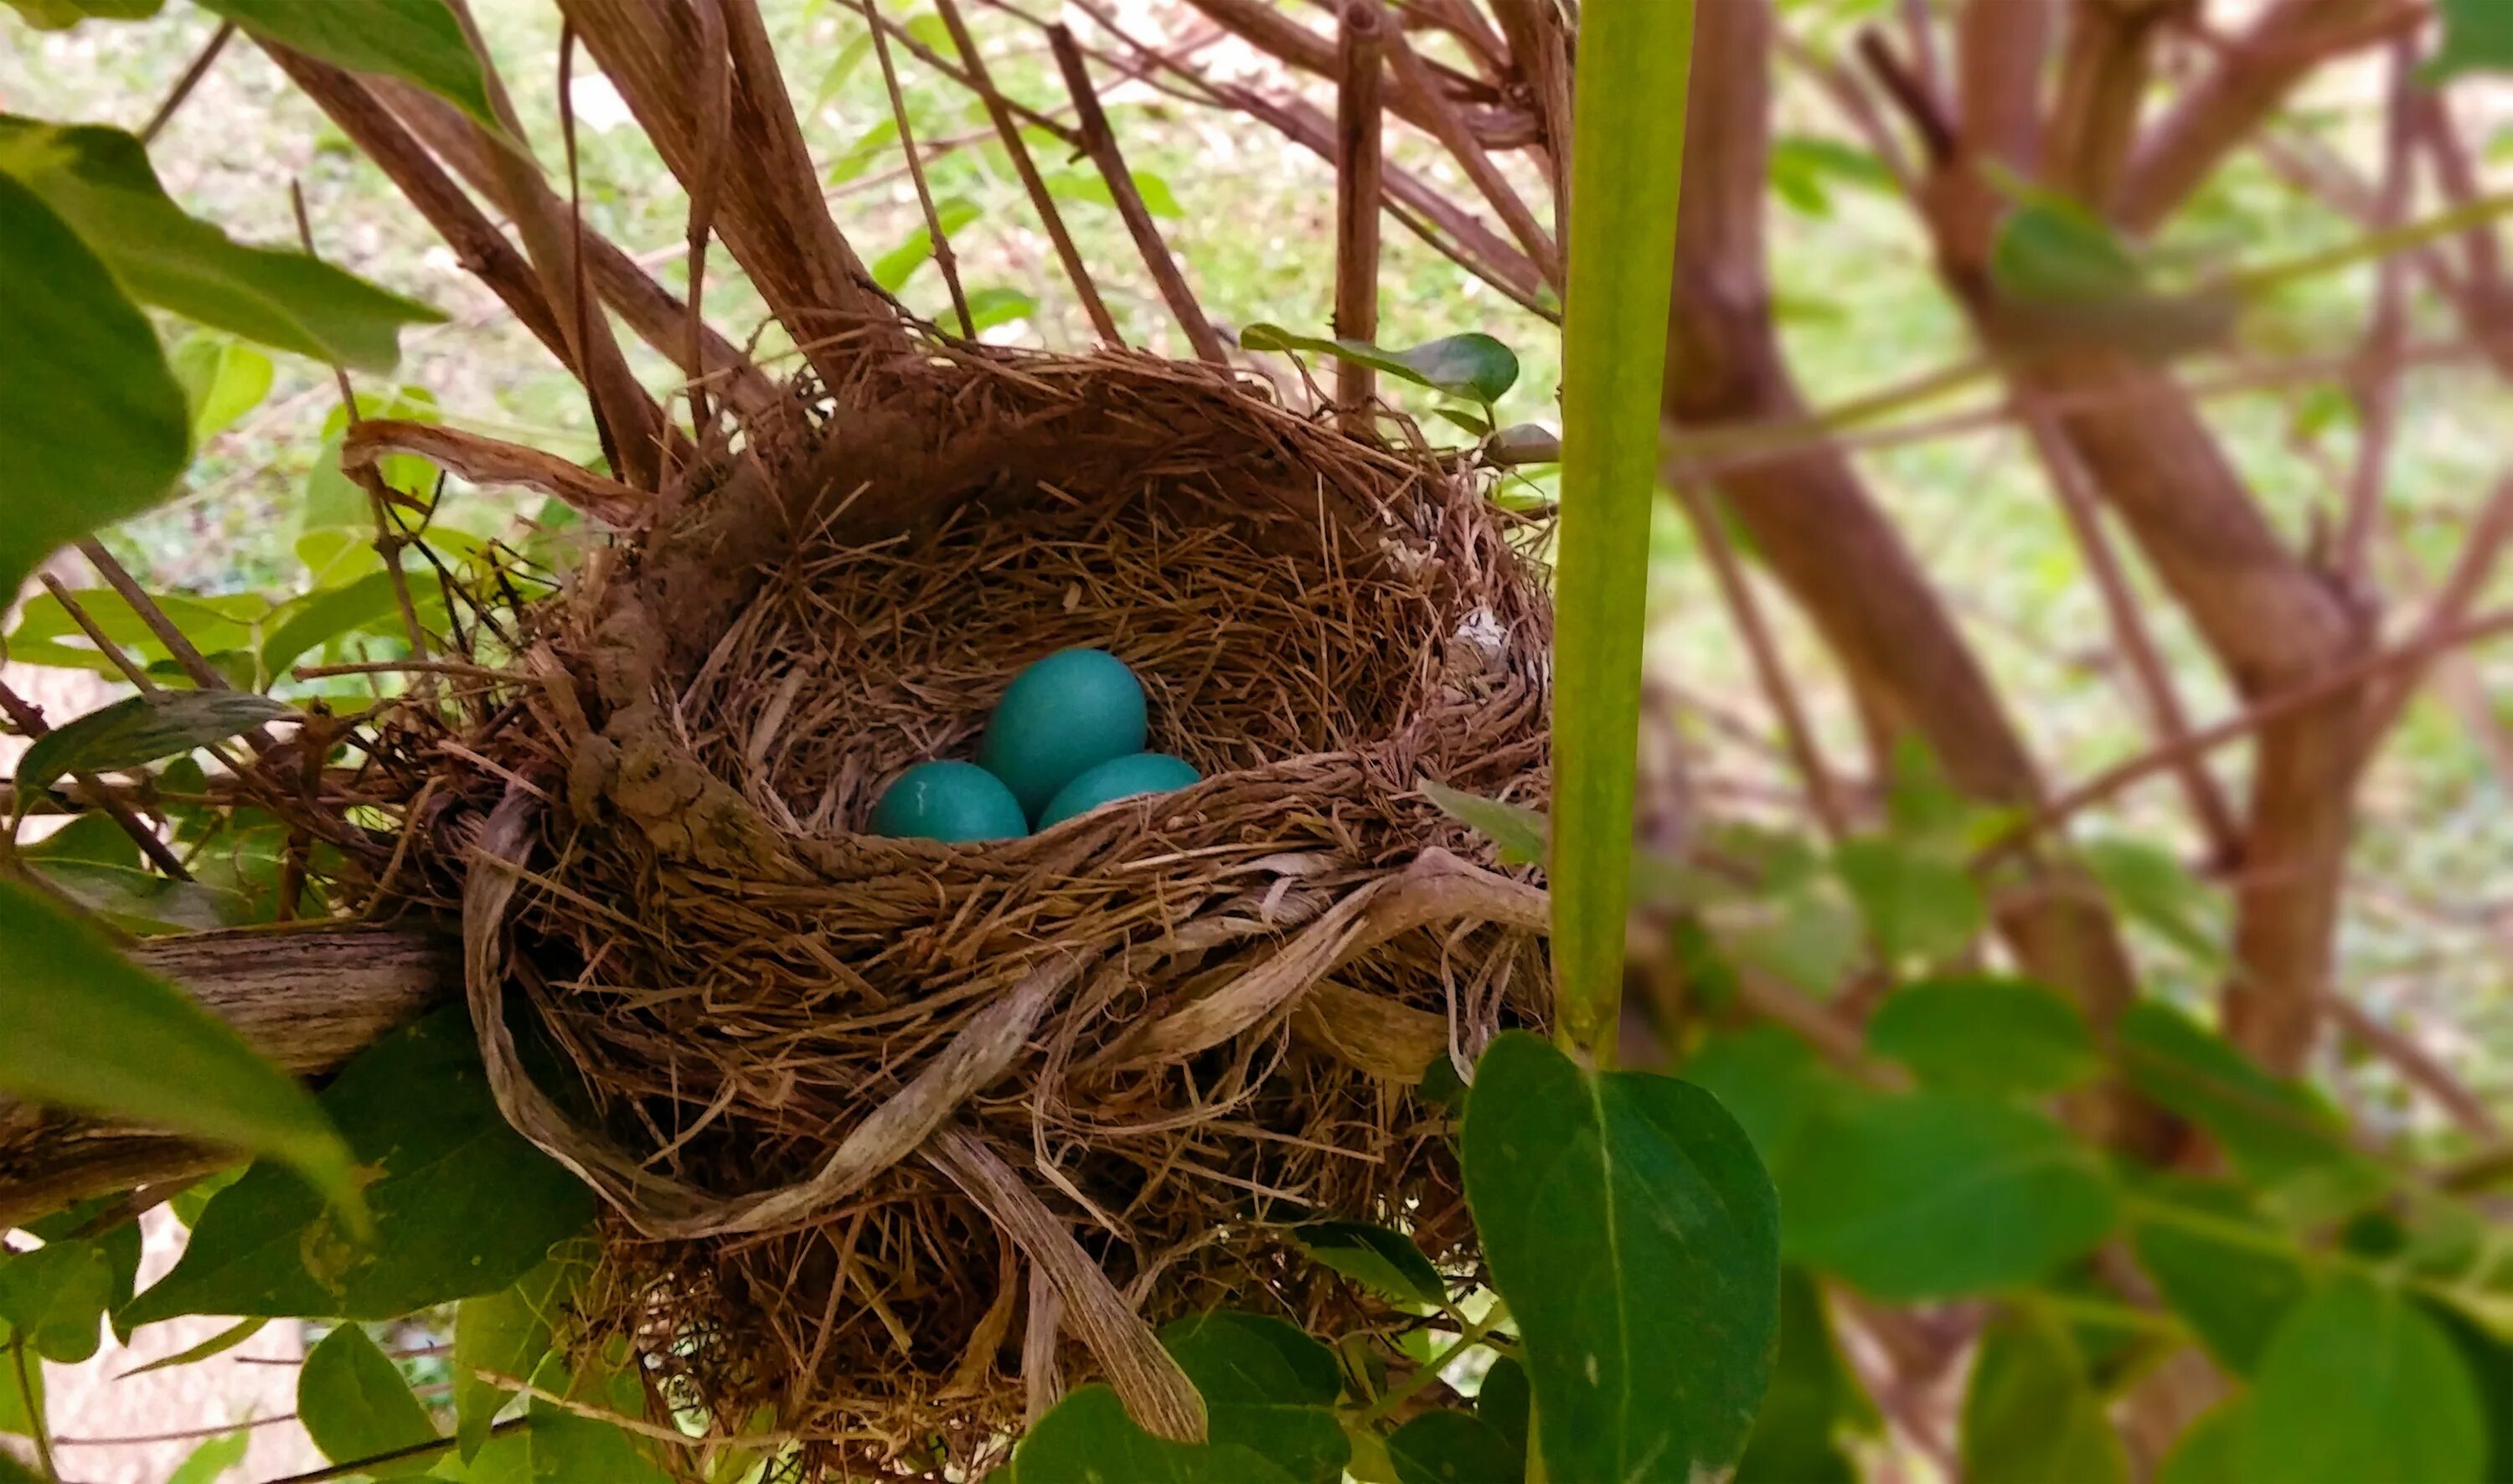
(955, 802)
(1120, 778)
(1062, 717)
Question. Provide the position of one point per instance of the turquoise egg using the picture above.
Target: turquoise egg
(955, 802)
(1062, 717)
(1121, 778)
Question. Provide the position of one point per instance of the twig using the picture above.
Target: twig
(179, 648)
(2320, 688)
(2488, 534)
(941, 241)
(2218, 823)
(388, 539)
(2377, 389)
(428, 1450)
(1450, 128)
(1357, 192)
(131, 670)
(2422, 1072)
(1008, 130)
(180, 1436)
(715, 129)
(1777, 688)
(184, 84)
(1102, 146)
(28, 719)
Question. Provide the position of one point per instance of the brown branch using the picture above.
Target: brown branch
(492, 461)
(309, 999)
(1101, 144)
(2217, 823)
(1414, 80)
(1814, 522)
(945, 260)
(2285, 41)
(980, 82)
(2103, 77)
(1540, 48)
(1358, 187)
(2472, 569)
(2378, 375)
(191, 79)
(1270, 31)
(2000, 50)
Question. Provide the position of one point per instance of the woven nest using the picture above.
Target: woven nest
(899, 1137)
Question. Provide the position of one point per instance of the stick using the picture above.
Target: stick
(942, 258)
(185, 84)
(28, 719)
(1358, 186)
(1102, 146)
(1009, 130)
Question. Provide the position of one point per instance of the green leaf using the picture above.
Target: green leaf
(2220, 1266)
(355, 1403)
(2210, 1450)
(61, 15)
(868, 147)
(15, 1418)
(1386, 1263)
(218, 1344)
(2153, 890)
(56, 1297)
(1087, 1438)
(1921, 905)
(1801, 166)
(2360, 1386)
(1773, 1085)
(841, 67)
(418, 41)
(47, 634)
(506, 1332)
(317, 618)
(2271, 1129)
(2049, 250)
(1090, 185)
(463, 1205)
(1978, 1033)
(99, 181)
(894, 268)
(222, 379)
(1267, 1387)
(1505, 1401)
(1811, 1400)
(90, 1030)
(1454, 1448)
(141, 729)
(1470, 364)
(2030, 1415)
(2489, 1361)
(1519, 831)
(990, 307)
(1939, 1194)
(2477, 36)
(568, 1447)
(94, 426)
(213, 1459)
(1635, 1240)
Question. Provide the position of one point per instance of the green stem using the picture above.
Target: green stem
(1627, 165)
(2374, 245)
(1476, 1333)
(35, 1427)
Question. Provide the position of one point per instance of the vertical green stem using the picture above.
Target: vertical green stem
(1627, 165)
(42, 1434)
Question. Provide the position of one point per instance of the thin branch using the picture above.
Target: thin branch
(1358, 187)
(2218, 824)
(2265, 713)
(2472, 569)
(1778, 688)
(998, 109)
(36, 1429)
(715, 136)
(2377, 380)
(1101, 144)
(2422, 1071)
(28, 720)
(184, 84)
(944, 259)
(428, 1450)
(1449, 127)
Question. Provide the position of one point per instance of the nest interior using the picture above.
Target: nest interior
(899, 1138)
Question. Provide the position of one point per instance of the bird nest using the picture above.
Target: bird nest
(899, 1137)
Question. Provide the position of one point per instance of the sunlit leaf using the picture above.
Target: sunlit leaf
(59, 15)
(1519, 831)
(894, 268)
(841, 67)
(463, 1205)
(1635, 1239)
(2155, 890)
(47, 634)
(140, 729)
(2477, 36)
(1385, 1262)
(2051, 250)
(2225, 1272)
(990, 307)
(506, 1333)
(90, 1030)
(318, 618)
(95, 428)
(56, 1297)
(218, 1344)
(222, 379)
(1978, 1033)
(213, 1459)
(418, 41)
(99, 180)
(355, 1403)
(2360, 1386)
(1938, 1194)
(1472, 364)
